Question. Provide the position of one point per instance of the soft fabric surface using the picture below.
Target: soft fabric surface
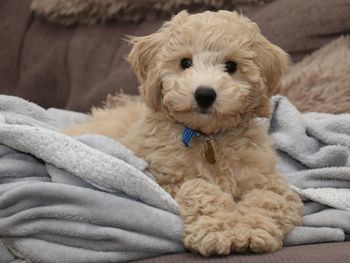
(91, 200)
(90, 205)
(314, 151)
(321, 81)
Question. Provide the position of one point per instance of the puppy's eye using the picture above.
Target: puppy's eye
(186, 63)
(231, 66)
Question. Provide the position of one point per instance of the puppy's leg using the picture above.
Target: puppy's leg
(215, 225)
(203, 207)
(266, 215)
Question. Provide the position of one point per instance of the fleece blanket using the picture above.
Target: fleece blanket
(89, 199)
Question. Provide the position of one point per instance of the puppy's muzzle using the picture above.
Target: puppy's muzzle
(205, 96)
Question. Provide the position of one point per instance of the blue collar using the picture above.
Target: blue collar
(187, 136)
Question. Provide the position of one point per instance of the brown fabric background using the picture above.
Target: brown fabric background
(76, 67)
(90, 12)
(301, 27)
(63, 67)
(320, 253)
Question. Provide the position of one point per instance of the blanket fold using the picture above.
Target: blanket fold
(89, 199)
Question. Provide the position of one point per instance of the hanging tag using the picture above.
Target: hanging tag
(210, 150)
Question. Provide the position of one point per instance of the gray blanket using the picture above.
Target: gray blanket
(90, 199)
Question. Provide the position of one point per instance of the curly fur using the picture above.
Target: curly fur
(241, 202)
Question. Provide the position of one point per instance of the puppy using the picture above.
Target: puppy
(204, 79)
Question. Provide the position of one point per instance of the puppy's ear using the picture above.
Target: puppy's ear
(273, 63)
(272, 60)
(143, 58)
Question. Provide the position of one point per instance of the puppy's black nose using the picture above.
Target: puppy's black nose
(205, 96)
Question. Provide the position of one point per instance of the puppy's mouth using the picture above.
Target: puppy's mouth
(205, 111)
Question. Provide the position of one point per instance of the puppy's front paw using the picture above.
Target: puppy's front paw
(208, 243)
(217, 236)
(258, 240)
(208, 236)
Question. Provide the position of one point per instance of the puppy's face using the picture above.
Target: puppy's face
(208, 71)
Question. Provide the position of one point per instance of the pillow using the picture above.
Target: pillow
(76, 67)
(321, 81)
(301, 27)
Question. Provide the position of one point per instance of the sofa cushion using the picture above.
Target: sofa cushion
(64, 67)
(319, 253)
(76, 67)
(301, 27)
(321, 81)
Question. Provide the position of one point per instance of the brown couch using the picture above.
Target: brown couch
(320, 253)
(75, 68)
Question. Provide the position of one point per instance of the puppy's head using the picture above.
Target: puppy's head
(208, 71)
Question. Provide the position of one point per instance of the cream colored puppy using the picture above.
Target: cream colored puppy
(204, 78)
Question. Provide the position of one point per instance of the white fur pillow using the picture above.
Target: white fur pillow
(321, 81)
(68, 12)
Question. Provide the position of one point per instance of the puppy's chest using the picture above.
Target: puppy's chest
(172, 163)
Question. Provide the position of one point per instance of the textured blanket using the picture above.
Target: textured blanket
(89, 199)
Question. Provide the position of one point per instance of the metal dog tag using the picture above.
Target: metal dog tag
(210, 150)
